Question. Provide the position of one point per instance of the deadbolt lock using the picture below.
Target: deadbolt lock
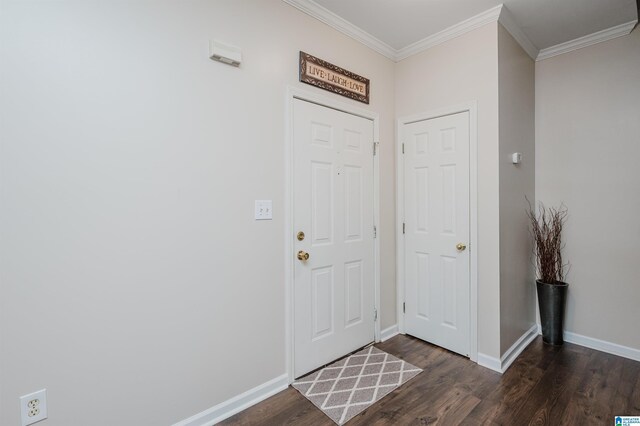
(300, 236)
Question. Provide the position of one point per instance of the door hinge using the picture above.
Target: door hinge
(404, 307)
(375, 232)
(404, 225)
(403, 147)
(375, 315)
(375, 148)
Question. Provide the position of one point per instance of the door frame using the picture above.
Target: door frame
(472, 108)
(293, 93)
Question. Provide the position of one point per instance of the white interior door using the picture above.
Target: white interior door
(436, 206)
(333, 206)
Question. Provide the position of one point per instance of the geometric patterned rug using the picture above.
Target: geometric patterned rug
(350, 385)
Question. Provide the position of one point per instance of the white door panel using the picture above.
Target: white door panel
(436, 176)
(333, 206)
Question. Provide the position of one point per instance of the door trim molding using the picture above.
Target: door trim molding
(472, 108)
(293, 93)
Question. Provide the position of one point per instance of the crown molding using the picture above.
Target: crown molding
(509, 23)
(588, 40)
(498, 13)
(322, 14)
(447, 34)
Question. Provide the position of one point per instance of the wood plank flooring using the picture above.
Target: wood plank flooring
(571, 385)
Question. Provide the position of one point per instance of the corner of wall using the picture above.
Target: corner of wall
(516, 123)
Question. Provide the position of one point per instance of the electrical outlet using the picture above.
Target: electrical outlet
(34, 407)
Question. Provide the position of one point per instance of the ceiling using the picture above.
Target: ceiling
(546, 23)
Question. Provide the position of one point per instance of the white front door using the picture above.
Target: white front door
(333, 207)
(436, 206)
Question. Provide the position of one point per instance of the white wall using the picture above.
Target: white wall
(517, 134)
(461, 70)
(587, 151)
(133, 276)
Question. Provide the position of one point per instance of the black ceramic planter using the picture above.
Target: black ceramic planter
(551, 301)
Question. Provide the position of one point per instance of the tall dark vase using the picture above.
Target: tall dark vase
(551, 301)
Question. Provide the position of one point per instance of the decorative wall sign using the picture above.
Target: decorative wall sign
(330, 77)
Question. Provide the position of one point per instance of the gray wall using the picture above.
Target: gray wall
(461, 70)
(135, 285)
(587, 156)
(516, 86)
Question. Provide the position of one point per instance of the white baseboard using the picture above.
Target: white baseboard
(238, 403)
(489, 362)
(501, 365)
(388, 333)
(518, 347)
(599, 345)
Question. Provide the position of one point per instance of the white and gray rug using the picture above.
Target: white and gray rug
(350, 385)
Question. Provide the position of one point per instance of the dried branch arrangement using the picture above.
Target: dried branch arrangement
(546, 229)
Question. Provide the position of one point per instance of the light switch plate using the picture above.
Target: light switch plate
(264, 210)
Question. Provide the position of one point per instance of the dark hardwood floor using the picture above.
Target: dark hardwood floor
(571, 385)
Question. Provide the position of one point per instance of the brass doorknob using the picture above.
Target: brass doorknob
(460, 247)
(303, 255)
